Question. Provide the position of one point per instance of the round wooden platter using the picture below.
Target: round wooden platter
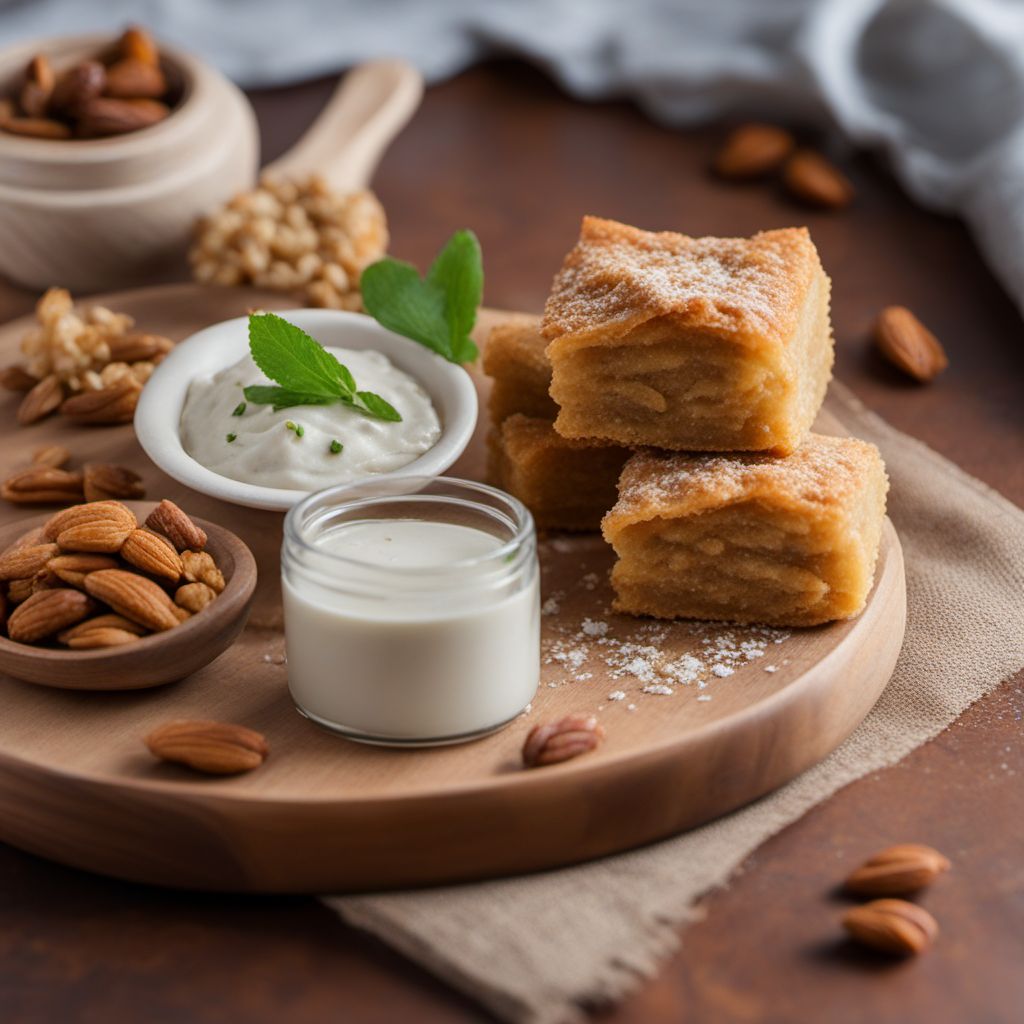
(326, 815)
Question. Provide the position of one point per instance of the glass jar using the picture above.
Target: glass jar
(411, 609)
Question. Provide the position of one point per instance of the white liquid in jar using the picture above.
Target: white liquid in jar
(408, 644)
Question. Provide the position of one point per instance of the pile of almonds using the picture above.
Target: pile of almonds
(90, 366)
(47, 481)
(114, 93)
(92, 577)
(757, 150)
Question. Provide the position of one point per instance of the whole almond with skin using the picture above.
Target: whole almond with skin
(194, 597)
(817, 181)
(135, 348)
(131, 78)
(137, 44)
(47, 612)
(43, 399)
(134, 597)
(73, 569)
(906, 343)
(24, 562)
(17, 378)
(217, 748)
(115, 404)
(90, 512)
(104, 480)
(19, 590)
(77, 86)
(38, 87)
(101, 622)
(152, 554)
(104, 535)
(107, 116)
(39, 485)
(53, 455)
(94, 639)
(176, 526)
(897, 871)
(199, 567)
(752, 151)
(892, 926)
(562, 740)
(37, 128)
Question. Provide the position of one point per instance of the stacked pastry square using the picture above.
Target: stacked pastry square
(656, 349)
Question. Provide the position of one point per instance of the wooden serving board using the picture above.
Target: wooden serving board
(748, 710)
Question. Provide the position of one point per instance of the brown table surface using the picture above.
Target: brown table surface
(500, 150)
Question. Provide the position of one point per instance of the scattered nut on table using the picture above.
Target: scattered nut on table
(559, 741)
(897, 871)
(215, 748)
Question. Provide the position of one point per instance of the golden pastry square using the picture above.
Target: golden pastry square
(691, 344)
(749, 538)
(514, 357)
(566, 484)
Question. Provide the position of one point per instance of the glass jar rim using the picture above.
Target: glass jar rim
(388, 486)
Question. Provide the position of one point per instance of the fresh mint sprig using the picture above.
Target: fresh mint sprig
(304, 371)
(438, 310)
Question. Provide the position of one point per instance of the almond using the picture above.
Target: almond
(199, 567)
(176, 526)
(105, 621)
(52, 455)
(897, 871)
(115, 404)
(45, 579)
(90, 512)
(40, 485)
(107, 116)
(194, 597)
(77, 86)
(105, 636)
(892, 926)
(137, 44)
(217, 748)
(134, 597)
(46, 613)
(906, 343)
(104, 480)
(562, 740)
(99, 535)
(38, 87)
(37, 127)
(23, 562)
(135, 348)
(152, 554)
(19, 590)
(43, 399)
(73, 569)
(817, 181)
(752, 151)
(33, 536)
(131, 78)
(17, 378)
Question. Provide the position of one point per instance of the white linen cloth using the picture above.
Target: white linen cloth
(938, 85)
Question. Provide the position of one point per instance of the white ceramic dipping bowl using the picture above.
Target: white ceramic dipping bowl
(158, 415)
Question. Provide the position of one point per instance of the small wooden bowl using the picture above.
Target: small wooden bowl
(154, 660)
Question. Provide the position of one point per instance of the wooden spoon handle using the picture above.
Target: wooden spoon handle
(370, 106)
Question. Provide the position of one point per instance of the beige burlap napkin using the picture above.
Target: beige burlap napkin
(509, 943)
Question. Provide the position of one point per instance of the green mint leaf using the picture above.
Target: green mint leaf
(289, 356)
(397, 297)
(336, 447)
(374, 405)
(282, 398)
(239, 409)
(458, 271)
(232, 438)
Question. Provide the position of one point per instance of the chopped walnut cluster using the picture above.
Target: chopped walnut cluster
(71, 346)
(296, 237)
(86, 364)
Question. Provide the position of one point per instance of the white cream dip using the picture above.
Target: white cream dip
(421, 638)
(264, 450)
